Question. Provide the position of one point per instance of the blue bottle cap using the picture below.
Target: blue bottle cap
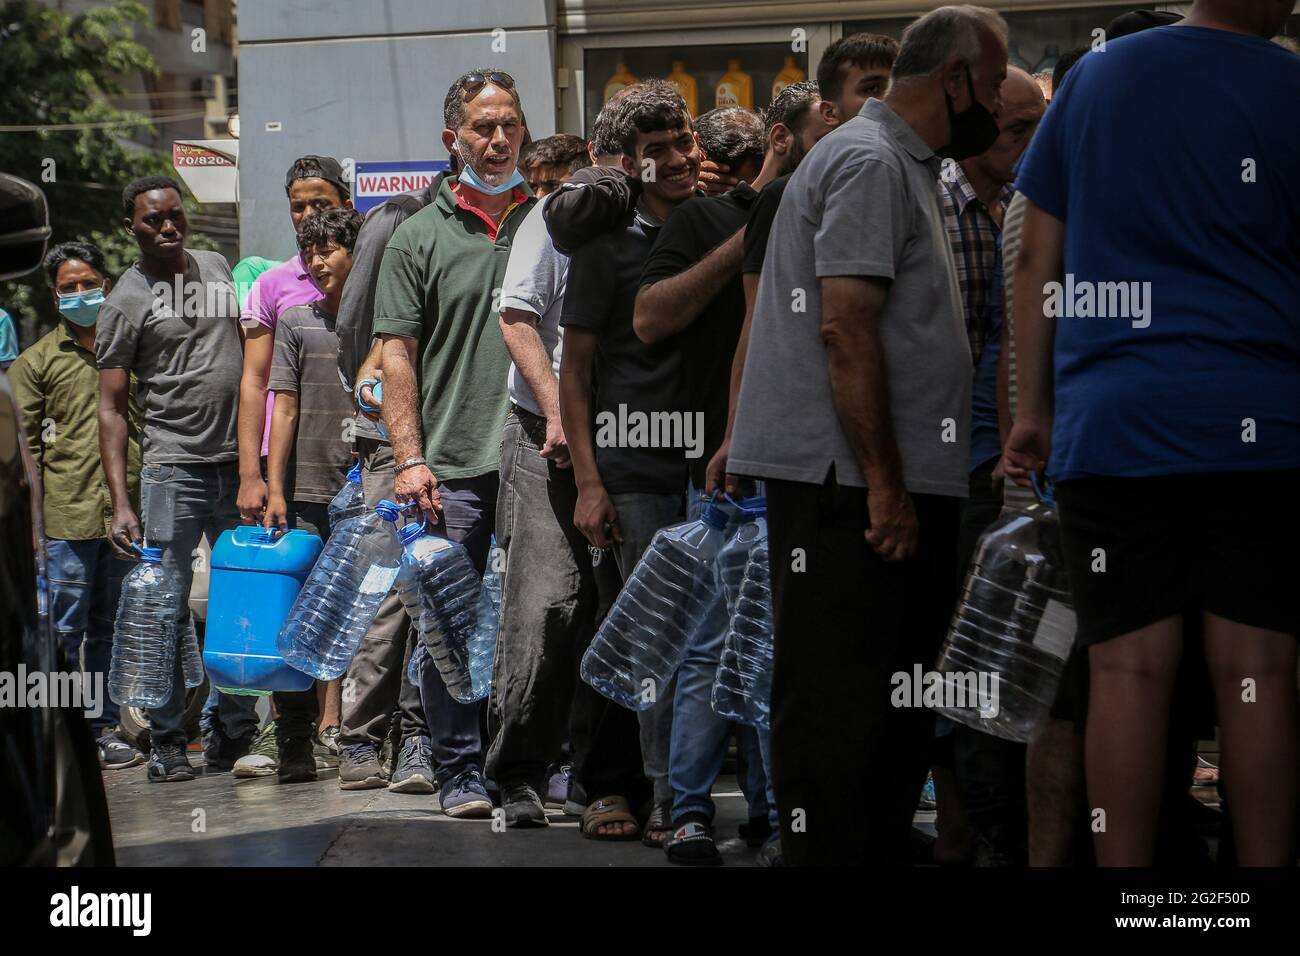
(409, 532)
(354, 475)
(387, 510)
(150, 555)
(714, 517)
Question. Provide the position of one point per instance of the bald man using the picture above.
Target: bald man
(990, 772)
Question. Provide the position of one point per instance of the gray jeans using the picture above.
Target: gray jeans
(639, 517)
(548, 607)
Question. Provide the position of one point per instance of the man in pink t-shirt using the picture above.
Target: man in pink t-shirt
(313, 184)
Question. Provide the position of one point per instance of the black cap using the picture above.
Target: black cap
(317, 167)
(1139, 20)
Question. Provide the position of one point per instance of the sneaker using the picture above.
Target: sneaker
(359, 767)
(168, 763)
(755, 833)
(770, 854)
(557, 785)
(414, 773)
(263, 758)
(222, 753)
(465, 796)
(115, 753)
(325, 746)
(523, 808)
(297, 762)
(576, 804)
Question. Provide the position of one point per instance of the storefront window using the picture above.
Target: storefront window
(1038, 37)
(744, 74)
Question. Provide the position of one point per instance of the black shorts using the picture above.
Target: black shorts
(1224, 543)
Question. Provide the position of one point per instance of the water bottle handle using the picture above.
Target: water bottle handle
(363, 405)
(139, 551)
(415, 506)
(747, 505)
(1043, 489)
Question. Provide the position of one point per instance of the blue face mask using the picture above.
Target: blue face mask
(471, 179)
(82, 308)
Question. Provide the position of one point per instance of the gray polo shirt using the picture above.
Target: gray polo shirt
(865, 202)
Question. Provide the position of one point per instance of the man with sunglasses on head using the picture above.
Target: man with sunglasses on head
(435, 312)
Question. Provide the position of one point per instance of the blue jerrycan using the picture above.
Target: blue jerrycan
(256, 574)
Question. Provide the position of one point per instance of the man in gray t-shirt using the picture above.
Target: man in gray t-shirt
(855, 407)
(172, 319)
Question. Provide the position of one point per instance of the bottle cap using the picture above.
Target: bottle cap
(713, 516)
(150, 555)
(409, 532)
(387, 510)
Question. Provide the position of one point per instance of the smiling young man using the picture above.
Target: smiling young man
(57, 387)
(172, 320)
(626, 494)
(435, 311)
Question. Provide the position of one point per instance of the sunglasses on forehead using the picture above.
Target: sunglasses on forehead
(475, 82)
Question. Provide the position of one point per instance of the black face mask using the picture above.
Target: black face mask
(973, 131)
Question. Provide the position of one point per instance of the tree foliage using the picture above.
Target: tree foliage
(60, 70)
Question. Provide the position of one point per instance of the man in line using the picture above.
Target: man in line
(434, 310)
(57, 387)
(855, 407)
(989, 770)
(626, 494)
(548, 162)
(1204, 349)
(690, 294)
(549, 594)
(172, 321)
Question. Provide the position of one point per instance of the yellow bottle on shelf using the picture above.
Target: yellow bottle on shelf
(790, 74)
(622, 77)
(736, 88)
(685, 84)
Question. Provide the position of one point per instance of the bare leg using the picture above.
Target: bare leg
(329, 700)
(1055, 784)
(1132, 683)
(1254, 673)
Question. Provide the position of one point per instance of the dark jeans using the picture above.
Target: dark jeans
(989, 770)
(297, 711)
(179, 504)
(468, 515)
(85, 584)
(847, 765)
(548, 608)
(377, 696)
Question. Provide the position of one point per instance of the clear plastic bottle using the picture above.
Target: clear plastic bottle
(144, 635)
(342, 594)
(483, 645)
(440, 589)
(1013, 629)
(350, 502)
(743, 688)
(640, 644)
(191, 656)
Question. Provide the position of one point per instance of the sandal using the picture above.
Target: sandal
(691, 844)
(658, 825)
(605, 811)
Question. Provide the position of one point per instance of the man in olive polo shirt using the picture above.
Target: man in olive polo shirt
(435, 310)
(56, 383)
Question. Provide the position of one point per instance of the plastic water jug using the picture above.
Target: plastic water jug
(350, 501)
(640, 644)
(742, 690)
(256, 576)
(1013, 630)
(144, 634)
(342, 594)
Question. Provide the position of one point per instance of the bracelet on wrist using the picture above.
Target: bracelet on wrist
(409, 463)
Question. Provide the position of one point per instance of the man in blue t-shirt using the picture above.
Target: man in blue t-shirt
(1158, 350)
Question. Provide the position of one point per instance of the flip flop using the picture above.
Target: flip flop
(605, 811)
